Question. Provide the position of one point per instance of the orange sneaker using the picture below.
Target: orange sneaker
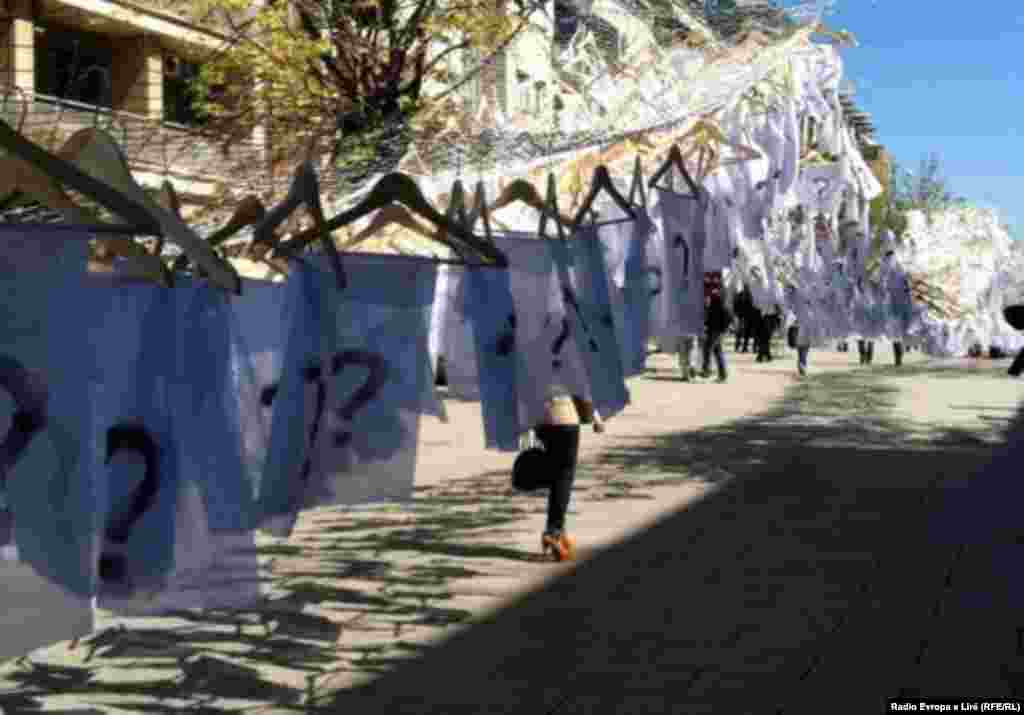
(560, 546)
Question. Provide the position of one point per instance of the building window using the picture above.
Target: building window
(73, 65)
(178, 78)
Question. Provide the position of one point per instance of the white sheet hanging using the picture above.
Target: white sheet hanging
(628, 256)
(683, 248)
(548, 358)
(47, 498)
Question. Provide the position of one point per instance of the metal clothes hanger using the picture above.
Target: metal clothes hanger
(674, 160)
(602, 181)
(95, 152)
(400, 188)
(305, 189)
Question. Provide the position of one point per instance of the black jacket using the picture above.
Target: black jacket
(717, 317)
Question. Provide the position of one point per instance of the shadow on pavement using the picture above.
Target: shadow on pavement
(807, 581)
(810, 569)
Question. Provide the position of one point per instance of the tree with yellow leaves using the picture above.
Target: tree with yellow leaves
(351, 79)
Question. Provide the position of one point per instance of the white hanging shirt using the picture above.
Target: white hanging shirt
(47, 497)
(683, 248)
(820, 188)
(548, 360)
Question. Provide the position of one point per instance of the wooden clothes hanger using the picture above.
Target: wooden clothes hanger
(636, 189)
(168, 199)
(249, 212)
(38, 174)
(479, 210)
(389, 216)
(602, 181)
(708, 139)
(95, 152)
(305, 189)
(674, 160)
(550, 211)
(399, 188)
(524, 192)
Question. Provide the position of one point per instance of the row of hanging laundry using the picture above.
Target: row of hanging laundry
(186, 418)
(151, 429)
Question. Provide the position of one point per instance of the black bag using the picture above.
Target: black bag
(530, 471)
(791, 335)
(1014, 315)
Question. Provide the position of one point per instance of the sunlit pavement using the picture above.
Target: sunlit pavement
(766, 545)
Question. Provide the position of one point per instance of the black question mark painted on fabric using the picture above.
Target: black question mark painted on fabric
(570, 298)
(556, 347)
(127, 436)
(680, 241)
(311, 375)
(30, 394)
(655, 271)
(380, 371)
(507, 340)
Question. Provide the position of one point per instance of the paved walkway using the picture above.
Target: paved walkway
(764, 546)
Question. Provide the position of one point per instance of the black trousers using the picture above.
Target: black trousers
(562, 444)
(764, 340)
(745, 330)
(713, 347)
(866, 348)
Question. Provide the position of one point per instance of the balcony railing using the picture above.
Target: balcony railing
(148, 144)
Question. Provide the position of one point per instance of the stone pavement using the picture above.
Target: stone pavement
(764, 546)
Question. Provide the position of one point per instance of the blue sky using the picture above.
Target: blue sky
(945, 77)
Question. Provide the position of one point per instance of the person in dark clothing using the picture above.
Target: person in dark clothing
(746, 320)
(562, 444)
(766, 328)
(716, 321)
(559, 433)
(866, 349)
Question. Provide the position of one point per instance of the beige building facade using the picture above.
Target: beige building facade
(67, 64)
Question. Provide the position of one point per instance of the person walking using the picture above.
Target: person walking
(866, 349)
(743, 310)
(687, 343)
(559, 435)
(809, 330)
(716, 322)
(803, 349)
(766, 328)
